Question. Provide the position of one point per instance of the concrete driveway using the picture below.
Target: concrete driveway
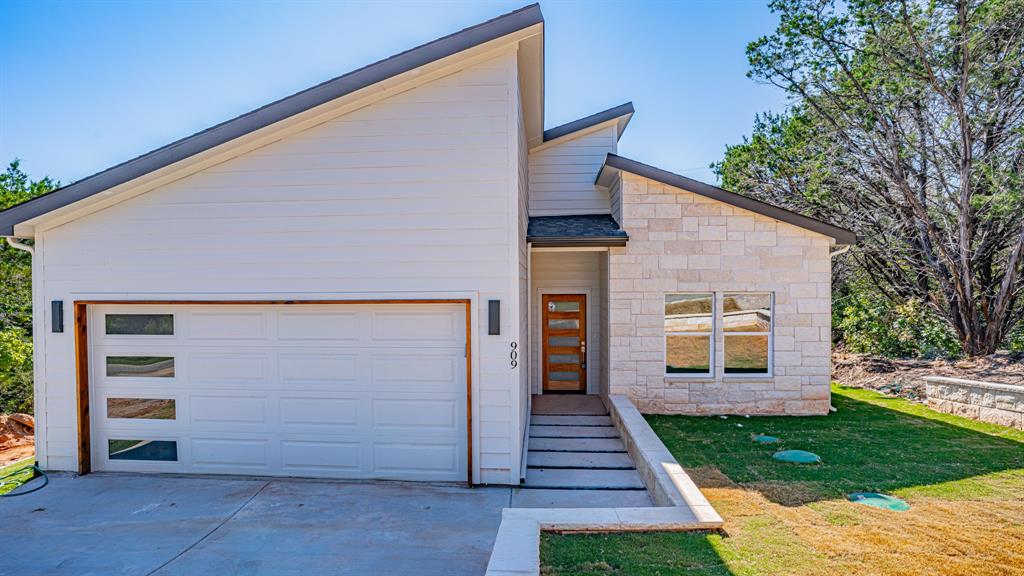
(140, 525)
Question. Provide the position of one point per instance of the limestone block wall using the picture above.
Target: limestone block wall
(986, 401)
(684, 242)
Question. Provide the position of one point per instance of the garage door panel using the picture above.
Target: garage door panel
(323, 367)
(229, 453)
(227, 326)
(313, 326)
(228, 410)
(227, 367)
(319, 414)
(354, 391)
(414, 372)
(403, 326)
(317, 457)
(412, 460)
(397, 414)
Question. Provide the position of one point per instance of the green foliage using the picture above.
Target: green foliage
(16, 298)
(15, 372)
(905, 125)
(873, 325)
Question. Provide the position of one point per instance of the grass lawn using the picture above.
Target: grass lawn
(24, 465)
(963, 479)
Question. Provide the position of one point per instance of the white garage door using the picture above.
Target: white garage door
(340, 390)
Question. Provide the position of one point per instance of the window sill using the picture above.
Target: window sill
(748, 376)
(691, 377)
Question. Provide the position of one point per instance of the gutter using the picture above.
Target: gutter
(19, 245)
(840, 250)
(567, 241)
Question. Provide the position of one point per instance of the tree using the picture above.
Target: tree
(907, 126)
(16, 265)
(16, 298)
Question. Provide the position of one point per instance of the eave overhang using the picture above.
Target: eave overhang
(614, 162)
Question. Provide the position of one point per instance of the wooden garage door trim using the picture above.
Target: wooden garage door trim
(82, 356)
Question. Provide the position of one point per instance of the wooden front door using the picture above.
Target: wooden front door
(565, 343)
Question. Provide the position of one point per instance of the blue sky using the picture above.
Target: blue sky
(84, 86)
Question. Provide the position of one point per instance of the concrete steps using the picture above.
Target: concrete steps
(580, 460)
(542, 420)
(577, 445)
(576, 458)
(583, 479)
(573, 432)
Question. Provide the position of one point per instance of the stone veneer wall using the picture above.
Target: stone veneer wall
(684, 242)
(986, 401)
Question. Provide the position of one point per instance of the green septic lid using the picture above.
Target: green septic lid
(764, 439)
(879, 501)
(797, 457)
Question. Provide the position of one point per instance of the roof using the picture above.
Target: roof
(271, 113)
(616, 162)
(576, 230)
(622, 112)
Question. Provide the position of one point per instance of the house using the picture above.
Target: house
(369, 279)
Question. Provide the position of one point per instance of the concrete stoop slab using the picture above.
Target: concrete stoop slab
(608, 460)
(583, 479)
(541, 498)
(537, 431)
(568, 404)
(577, 445)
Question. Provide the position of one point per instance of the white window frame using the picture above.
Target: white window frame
(770, 334)
(717, 335)
(710, 374)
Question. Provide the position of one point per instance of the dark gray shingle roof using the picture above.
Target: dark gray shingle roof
(576, 230)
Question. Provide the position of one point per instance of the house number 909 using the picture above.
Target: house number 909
(514, 355)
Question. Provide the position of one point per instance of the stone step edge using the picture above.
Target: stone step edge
(582, 451)
(615, 488)
(579, 437)
(536, 414)
(549, 467)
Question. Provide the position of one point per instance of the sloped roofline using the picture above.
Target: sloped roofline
(614, 161)
(623, 111)
(270, 114)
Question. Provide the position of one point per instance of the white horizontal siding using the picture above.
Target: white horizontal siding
(615, 196)
(562, 176)
(405, 196)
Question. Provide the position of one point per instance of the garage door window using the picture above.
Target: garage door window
(139, 324)
(141, 408)
(140, 366)
(151, 450)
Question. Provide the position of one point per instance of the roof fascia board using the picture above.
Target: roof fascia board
(573, 136)
(207, 147)
(621, 114)
(614, 161)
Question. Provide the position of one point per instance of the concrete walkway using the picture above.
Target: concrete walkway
(576, 458)
(141, 525)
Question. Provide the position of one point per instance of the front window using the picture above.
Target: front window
(694, 326)
(747, 323)
(689, 333)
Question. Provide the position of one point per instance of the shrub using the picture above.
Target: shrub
(15, 372)
(873, 325)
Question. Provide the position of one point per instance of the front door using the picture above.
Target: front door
(565, 343)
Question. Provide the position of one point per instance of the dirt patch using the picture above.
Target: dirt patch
(903, 378)
(17, 440)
